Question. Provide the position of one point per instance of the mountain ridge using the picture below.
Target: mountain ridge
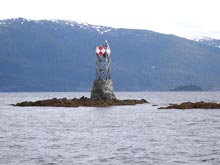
(49, 55)
(208, 41)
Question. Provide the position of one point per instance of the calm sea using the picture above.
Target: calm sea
(139, 134)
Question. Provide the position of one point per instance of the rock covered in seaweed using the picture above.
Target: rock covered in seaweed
(83, 101)
(191, 105)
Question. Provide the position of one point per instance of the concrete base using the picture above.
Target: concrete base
(102, 89)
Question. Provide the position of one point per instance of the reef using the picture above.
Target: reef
(191, 105)
(80, 102)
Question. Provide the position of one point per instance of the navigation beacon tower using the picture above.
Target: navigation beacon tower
(102, 85)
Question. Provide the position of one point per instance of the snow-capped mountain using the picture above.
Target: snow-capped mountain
(59, 55)
(208, 41)
(65, 23)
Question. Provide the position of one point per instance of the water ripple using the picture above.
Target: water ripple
(117, 135)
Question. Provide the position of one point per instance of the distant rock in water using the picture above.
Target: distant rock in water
(187, 88)
(190, 105)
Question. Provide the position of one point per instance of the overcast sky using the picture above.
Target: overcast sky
(180, 17)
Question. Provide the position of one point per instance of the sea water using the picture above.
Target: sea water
(139, 134)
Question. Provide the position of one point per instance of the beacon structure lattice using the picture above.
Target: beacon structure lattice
(103, 62)
(102, 85)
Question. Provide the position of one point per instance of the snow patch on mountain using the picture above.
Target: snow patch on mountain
(207, 41)
(82, 25)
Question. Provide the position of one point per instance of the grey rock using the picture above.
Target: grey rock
(102, 89)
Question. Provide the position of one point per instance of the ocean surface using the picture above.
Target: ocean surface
(120, 135)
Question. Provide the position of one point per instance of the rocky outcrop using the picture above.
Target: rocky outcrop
(190, 105)
(83, 101)
(102, 89)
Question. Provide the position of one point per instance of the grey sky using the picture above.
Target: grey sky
(181, 17)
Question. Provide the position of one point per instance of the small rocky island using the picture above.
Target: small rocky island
(191, 105)
(80, 102)
(102, 93)
(187, 88)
